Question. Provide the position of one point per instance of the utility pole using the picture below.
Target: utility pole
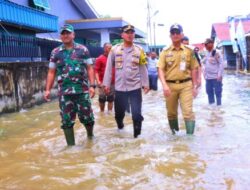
(155, 35)
(149, 17)
(149, 25)
(154, 38)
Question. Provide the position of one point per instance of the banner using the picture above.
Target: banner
(233, 36)
(241, 40)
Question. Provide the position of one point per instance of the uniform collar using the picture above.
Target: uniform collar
(173, 48)
(62, 47)
(132, 47)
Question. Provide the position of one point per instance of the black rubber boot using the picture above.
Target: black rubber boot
(139, 125)
(174, 126)
(69, 136)
(190, 125)
(89, 129)
(120, 124)
(137, 128)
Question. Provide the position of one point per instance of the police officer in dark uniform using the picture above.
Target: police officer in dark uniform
(130, 77)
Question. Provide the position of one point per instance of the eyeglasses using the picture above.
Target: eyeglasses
(175, 32)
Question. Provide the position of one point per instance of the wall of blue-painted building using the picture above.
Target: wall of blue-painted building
(16, 31)
(64, 9)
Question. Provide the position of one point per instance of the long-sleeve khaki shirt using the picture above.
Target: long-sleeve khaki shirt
(130, 68)
(177, 64)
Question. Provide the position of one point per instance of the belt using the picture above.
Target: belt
(178, 81)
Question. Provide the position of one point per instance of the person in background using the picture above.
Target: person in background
(185, 41)
(72, 65)
(177, 69)
(100, 66)
(213, 72)
(152, 71)
(130, 77)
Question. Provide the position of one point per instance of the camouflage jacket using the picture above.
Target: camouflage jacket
(71, 69)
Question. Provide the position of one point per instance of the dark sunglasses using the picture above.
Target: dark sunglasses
(175, 32)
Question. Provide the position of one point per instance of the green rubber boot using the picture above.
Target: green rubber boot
(174, 126)
(89, 129)
(69, 136)
(190, 125)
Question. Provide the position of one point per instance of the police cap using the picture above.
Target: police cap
(176, 27)
(128, 27)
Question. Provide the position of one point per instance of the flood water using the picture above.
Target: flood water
(34, 156)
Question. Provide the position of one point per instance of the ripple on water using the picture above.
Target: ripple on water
(35, 156)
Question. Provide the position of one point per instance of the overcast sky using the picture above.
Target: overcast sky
(196, 16)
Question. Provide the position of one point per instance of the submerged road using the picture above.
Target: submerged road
(34, 156)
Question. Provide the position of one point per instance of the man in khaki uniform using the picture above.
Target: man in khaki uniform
(177, 69)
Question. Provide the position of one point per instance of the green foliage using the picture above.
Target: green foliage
(105, 16)
(116, 41)
(138, 40)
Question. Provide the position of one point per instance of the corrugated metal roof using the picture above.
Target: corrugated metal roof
(201, 46)
(222, 29)
(24, 17)
(112, 24)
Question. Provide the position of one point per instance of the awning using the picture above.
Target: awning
(25, 17)
(96, 25)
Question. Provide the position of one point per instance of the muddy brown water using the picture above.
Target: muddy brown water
(34, 156)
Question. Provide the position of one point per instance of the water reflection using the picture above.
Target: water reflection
(33, 152)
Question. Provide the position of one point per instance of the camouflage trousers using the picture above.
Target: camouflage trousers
(79, 104)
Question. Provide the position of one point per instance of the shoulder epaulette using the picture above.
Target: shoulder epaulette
(137, 46)
(166, 48)
(189, 47)
(80, 46)
(116, 46)
(59, 48)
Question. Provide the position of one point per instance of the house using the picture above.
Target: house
(29, 29)
(19, 25)
(201, 46)
(101, 29)
(221, 34)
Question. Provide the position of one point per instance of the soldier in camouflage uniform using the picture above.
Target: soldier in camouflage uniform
(72, 65)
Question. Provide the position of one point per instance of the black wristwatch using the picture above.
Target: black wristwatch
(92, 85)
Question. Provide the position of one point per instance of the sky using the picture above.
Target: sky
(195, 16)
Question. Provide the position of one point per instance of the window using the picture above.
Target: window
(41, 3)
